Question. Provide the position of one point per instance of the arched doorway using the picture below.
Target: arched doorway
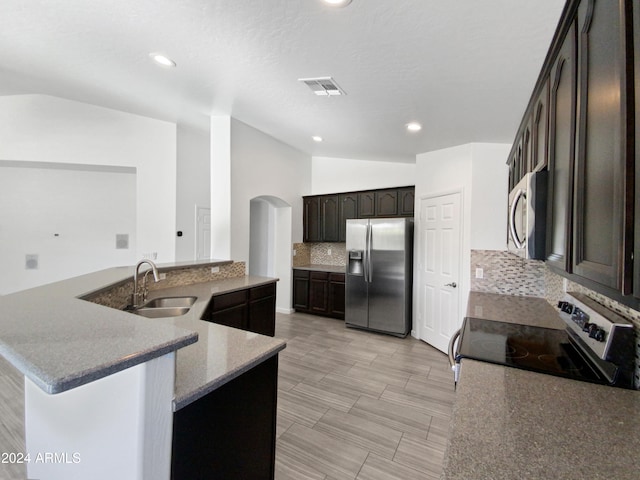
(270, 245)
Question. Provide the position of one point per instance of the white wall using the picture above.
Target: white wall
(479, 170)
(50, 129)
(263, 166)
(490, 177)
(68, 216)
(443, 171)
(192, 185)
(334, 175)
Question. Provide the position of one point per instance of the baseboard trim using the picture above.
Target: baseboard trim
(286, 311)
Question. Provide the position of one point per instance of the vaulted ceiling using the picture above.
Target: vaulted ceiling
(464, 69)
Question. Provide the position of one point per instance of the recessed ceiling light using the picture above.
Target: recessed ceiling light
(338, 3)
(414, 127)
(162, 60)
(316, 138)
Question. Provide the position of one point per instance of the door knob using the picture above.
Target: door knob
(452, 284)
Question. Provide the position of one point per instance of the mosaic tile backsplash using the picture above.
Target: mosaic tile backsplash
(509, 274)
(319, 254)
(119, 296)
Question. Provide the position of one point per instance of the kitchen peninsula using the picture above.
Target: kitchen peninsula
(107, 384)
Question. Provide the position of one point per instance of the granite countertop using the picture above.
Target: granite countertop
(61, 342)
(221, 353)
(316, 267)
(515, 424)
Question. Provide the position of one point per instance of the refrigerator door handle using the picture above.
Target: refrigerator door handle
(369, 246)
(366, 255)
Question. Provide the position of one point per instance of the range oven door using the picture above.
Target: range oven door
(527, 216)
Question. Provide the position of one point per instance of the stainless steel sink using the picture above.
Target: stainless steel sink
(168, 302)
(160, 312)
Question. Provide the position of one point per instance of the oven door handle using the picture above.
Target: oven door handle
(454, 358)
(512, 218)
(452, 346)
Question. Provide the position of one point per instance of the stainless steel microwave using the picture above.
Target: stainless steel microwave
(528, 216)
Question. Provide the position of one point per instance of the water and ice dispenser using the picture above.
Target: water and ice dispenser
(355, 262)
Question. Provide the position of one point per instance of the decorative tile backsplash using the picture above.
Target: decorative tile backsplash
(506, 273)
(509, 274)
(319, 254)
(303, 254)
(119, 296)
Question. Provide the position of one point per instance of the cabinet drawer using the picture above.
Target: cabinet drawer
(336, 277)
(300, 273)
(319, 275)
(262, 292)
(227, 300)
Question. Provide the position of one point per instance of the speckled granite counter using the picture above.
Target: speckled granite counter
(515, 424)
(221, 353)
(61, 342)
(322, 268)
(513, 309)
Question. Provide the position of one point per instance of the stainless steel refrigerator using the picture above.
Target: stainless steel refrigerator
(379, 274)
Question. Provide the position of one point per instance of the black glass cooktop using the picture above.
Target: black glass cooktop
(538, 349)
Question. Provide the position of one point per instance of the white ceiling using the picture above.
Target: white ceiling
(463, 68)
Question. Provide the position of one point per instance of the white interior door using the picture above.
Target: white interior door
(439, 256)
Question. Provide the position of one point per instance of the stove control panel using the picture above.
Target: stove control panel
(601, 329)
(581, 318)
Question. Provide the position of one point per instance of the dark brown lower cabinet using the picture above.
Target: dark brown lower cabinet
(320, 293)
(252, 309)
(230, 432)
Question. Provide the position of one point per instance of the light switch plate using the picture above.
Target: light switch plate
(479, 273)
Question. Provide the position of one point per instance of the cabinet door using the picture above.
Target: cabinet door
(262, 316)
(636, 66)
(386, 203)
(329, 218)
(318, 292)
(561, 153)
(348, 204)
(336, 295)
(311, 219)
(526, 149)
(601, 160)
(539, 130)
(366, 204)
(406, 201)
(232, 317)
(301, 290)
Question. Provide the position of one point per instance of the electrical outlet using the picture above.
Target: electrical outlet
(294, 252)
(329, 252)
(163, 276)
(215, 269)
(479, 273)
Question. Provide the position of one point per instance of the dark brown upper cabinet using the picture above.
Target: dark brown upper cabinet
(540, 129)
(406, 201)
(325, 216)
(330, 218)
(348, 204)
(311, 219)
(583, 119)
(366, 204)
(561, 153)
(386, 203)
(601, 251)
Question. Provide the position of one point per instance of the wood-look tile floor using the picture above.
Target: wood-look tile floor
(352, 405)
(357, 405)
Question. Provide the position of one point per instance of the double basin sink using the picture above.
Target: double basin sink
(165, 307)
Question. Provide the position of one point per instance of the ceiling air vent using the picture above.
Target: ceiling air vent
(323, 86)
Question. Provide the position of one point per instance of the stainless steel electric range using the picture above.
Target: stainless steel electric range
(596, 346)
